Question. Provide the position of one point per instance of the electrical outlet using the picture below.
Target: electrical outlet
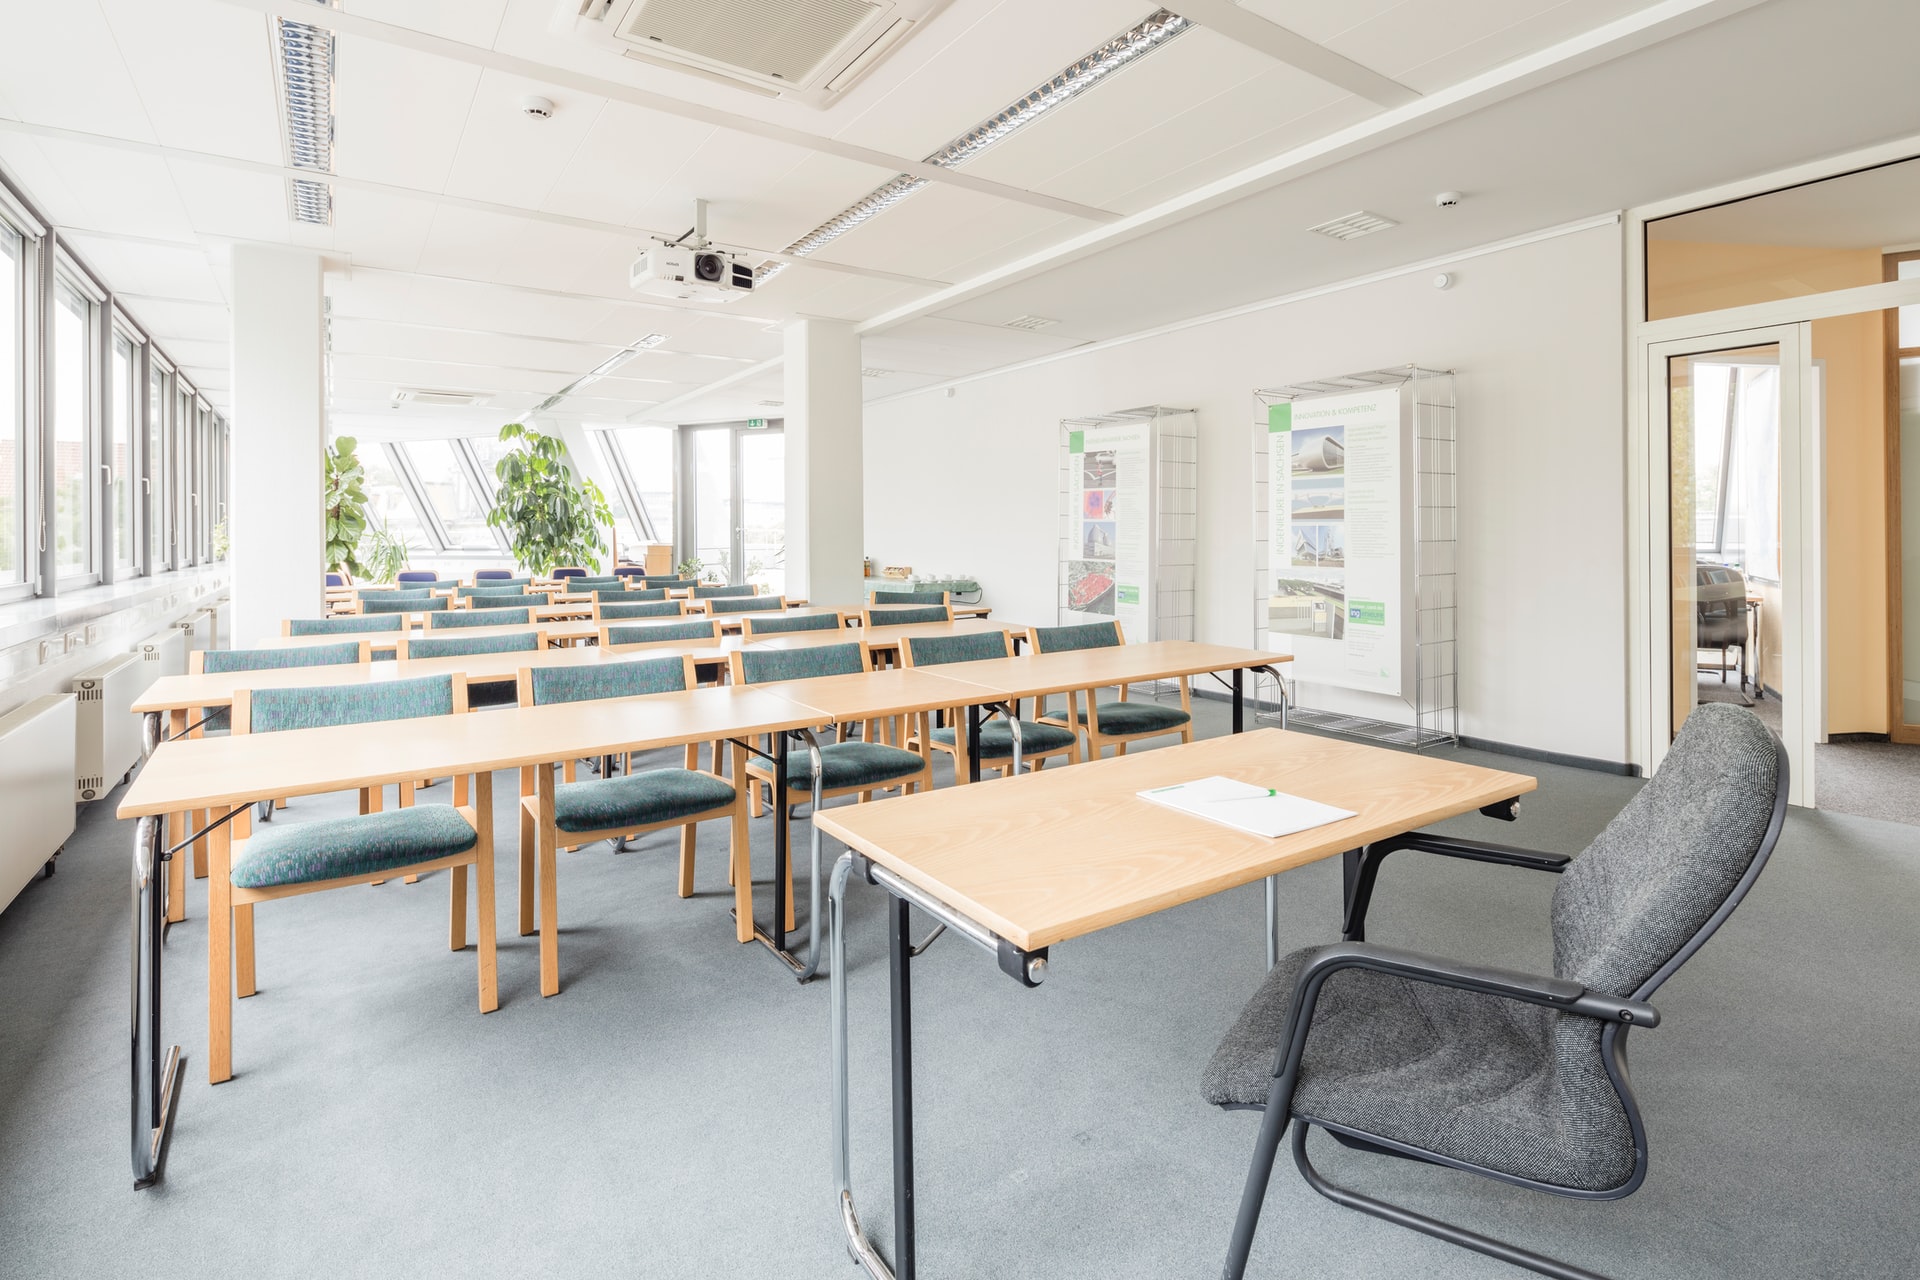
(93, 634)
(73, 641)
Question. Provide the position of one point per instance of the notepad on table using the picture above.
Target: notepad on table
(1261, 811)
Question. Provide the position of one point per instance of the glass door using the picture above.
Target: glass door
(1738, 543)
(1903, 513)
(736, 523)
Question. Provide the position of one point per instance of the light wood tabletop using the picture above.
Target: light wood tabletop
(866, 695)
(1025, 676)
(216, 690)
(1045, 857)
(878, 637)
(222, 772)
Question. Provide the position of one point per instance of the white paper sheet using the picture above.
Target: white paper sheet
(1259, 811)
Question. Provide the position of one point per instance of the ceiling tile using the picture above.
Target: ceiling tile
(62, 67)
(468, 21)
(374, 229)
(509, 157)
(376, 87)
(220, 201)
(1527, 35)
(204, 72)
(152, 270)
(109, 189)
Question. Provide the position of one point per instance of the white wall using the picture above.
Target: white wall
(970, 482)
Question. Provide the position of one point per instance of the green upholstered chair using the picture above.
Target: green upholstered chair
(506, 600)
(600, 593)
(479, 618)
(670, 583)
(345, 624)
(595, 582)
(760, 626)
(571, 813)
(392, 603)
(721, 593)
(495, 586)
(481, 693)
(906, 616)
(1109, 723)
(393, 593)
(852, 766)
(1038, 742)
(635, 595)
(219, 661)
(746, 604)
(640, 635)
(627, 611)
(308, 857)
(912, 597)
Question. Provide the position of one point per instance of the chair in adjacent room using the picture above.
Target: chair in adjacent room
(1515, 1077)
(616, 808)
(745, 604)
(643, 635)
(759, 626)
(503, 617)
(1114, 723)
(626, 611)
(881, 597)
(710, 592)
(1038, 742)
(393, 602)
(1720, 614)
(852, 766)
(308, 857)
(906, 616)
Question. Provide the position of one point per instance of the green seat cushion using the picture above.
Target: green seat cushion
(996, 738)
(1138, 717)
(853, 764)
(301, 853)
(637, 800)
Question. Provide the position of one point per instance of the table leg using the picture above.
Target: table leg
(1239, 712)
(155, 1080)
(1273, 921)
(783, 804)
(900, 992)
(219, 951)
(973, 742)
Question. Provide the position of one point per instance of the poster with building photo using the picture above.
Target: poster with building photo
(1108, 535)
(1334, 555)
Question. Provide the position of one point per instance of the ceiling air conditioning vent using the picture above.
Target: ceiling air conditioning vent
(808, 50)
(431, 395)
(1353, 225)
(1029, 323)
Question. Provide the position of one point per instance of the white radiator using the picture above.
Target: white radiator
(164, 653)
(36, 769)
(107, 733)
(202, 630)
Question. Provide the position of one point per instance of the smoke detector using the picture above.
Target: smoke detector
(537, 107)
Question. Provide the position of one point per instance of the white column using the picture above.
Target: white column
(825, 521)
(277, 521)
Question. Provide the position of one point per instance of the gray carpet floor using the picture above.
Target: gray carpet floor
(1865, 779)
(666, 1114)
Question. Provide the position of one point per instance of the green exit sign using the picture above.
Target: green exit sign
(755, 424)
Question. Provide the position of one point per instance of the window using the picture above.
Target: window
(159, 555)
(72, 412)
(121, 449)
(13, 416)
(1737, 465)
(448, 487)
(648, 455)
(387, 502)
(180, 470)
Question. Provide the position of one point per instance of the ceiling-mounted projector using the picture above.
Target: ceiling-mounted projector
(691, 274)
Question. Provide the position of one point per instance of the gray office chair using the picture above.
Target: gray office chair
(1505, 1074)
(1720, 614)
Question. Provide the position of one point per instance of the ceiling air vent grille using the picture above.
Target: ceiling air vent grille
(1353, 225)
(431, 395)
(1029, 323)
(784, 39)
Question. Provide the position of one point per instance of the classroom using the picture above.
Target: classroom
(959, 638)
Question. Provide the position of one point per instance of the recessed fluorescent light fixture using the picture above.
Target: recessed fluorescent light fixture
(1062, 87)
(1353, 225)
(306, 86)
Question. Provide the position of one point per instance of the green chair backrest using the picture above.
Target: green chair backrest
(345, 624)
(611, 593)
(762, 666)
(488, 600)
(747, 604)
(273, 710)
(648, 634)
(902, 617)
(674, 584)
(973, 646)
(795, 622)
(714, 593)
(460, 646)
(394, 593)
(216, 661)
(910, 597)
(495, 586)
(1085, 635)
(404, 604)
(597, 580)
(628, 678)
(634, 594)
(479, 618)
(639, 609)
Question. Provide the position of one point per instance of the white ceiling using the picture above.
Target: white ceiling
(475, 248)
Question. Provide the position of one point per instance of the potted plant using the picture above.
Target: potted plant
(346, 503)
(549, 518)
(383, 553)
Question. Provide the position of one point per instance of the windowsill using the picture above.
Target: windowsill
(26, 620)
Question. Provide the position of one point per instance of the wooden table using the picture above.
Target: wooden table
(223, 775)
(1042, 858)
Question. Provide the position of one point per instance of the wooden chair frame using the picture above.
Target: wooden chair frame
(1097, 742)
(230, 932)
(540, 845)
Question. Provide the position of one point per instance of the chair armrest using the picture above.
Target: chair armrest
(1506, 984)
(1360, 892)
